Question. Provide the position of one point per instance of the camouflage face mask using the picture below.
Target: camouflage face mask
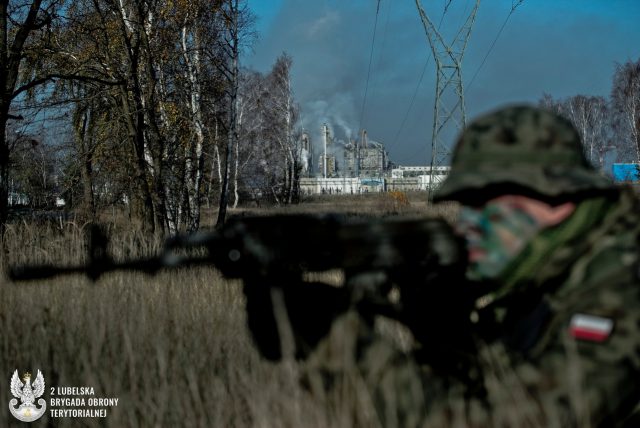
(495, 235)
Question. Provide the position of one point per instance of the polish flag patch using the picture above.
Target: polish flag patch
(590, 327)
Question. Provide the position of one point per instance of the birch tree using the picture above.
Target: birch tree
(250, 124)
(592, 119)
(590, 116)
(625, 100)
(122, 46)
(130, 48)
(235, 32)
(164, 53)
(190, 42)
(200, 27)
(284, 111)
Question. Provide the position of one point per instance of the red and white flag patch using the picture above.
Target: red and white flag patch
(590, 327)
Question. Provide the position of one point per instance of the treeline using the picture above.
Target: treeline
(154, 110)
(608, 126)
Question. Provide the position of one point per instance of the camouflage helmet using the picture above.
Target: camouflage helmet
(519, 150)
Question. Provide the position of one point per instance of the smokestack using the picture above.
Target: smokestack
(363, 144)
(325, 137)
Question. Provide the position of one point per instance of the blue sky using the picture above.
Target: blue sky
(563, 48)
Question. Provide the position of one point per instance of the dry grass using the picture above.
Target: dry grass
(173, 348)
(406, 204)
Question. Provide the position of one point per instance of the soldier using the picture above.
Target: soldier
(553, 274)
(559, 246)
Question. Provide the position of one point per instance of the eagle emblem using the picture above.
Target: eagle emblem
(27, 392)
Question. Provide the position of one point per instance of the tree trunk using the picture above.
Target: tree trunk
(83, 137)
(4, 172)
(142, 202)
(232, 136)
(194, 160)
(224, 194)
(216, 166)
(236, 165)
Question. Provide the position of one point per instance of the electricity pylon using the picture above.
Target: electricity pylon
(449, 109)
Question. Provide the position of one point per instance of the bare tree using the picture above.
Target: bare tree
(33, 169)
(20, 25)
(236, 30)
(250, 123)
(625, 100)
(191, 41)
(284, 93)
(85, 118)
(201, 26)
(283, 114)
(591, 118)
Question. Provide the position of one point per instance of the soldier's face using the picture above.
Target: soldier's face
(498, 231)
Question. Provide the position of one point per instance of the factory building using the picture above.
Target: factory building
(360, 166)
(328, 166)
(365, 159)
(358, 185)
(306, 154)
(355, 159)
(331, 186)
(374, 160)
(416, 171)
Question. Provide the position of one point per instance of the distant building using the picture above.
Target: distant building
(365, 159)
(373, 160)
(329, 186)
(306, 155)
(626, 172)
(331, 163)
(416, 171)
(327, 164)
(358, 185)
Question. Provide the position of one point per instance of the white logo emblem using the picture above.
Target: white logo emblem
(27, 393)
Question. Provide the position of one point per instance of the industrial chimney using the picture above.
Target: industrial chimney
(325, 138)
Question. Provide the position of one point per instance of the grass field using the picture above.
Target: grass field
(174, 348)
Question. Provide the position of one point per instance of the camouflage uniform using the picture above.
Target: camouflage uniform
(585, 267)
(558, 340)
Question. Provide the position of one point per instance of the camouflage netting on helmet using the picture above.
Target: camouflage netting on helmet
(521, 150)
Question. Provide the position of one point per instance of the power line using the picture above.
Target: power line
(415, 92)
(514, 6)
(366, 86)
(413, 98)
(384, 34)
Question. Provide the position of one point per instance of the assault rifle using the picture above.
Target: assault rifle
(273, 256)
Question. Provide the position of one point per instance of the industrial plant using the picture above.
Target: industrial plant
(358, 166)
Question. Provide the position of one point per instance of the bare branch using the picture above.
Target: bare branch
(56, 76)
